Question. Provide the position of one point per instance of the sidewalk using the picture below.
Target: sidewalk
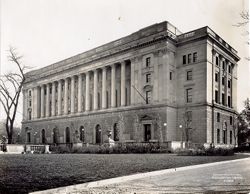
(226, 176)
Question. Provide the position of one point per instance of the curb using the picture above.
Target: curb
(79, 187)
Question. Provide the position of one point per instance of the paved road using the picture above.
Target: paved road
(225, 178)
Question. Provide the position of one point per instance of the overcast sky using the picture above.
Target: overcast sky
(46, 31)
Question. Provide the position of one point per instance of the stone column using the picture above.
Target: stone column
(226, 83)
(132, 80)
(95, 90)
(24, 104)
(59, 96)
(53, 98)
(72, 95)
(113, 100)
(80, 93)
(42, 101)
(104, 94)
(87, 105)
(66, 82)
(123, 83)
(47, 100)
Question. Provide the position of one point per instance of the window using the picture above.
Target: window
(189, 116)
(216, 96)
(189, 95)
(229, 84)
(189, 75)
(223, 98)
(189, 58)
(218, 117)
(170, 75)
(29, 93)
(148, 78)
(28, 137)
(218, 135)
(184, 59)
(216, 77)
(29, 103)
(231, 137)
(231, 120)
(223, 81)
(223, 65)
(224, 136)
(195, 57)
(217, 60)
(29, 115)
(82, 134)
(229, 69)
(148, 97)
(229, 101)
(50, 90)
(147, 61)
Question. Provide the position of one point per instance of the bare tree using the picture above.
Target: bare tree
(10, 90)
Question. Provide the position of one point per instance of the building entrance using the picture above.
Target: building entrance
(147, 132)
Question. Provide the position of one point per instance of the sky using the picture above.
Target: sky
(47, 31)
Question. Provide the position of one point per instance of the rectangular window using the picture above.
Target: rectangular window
(147, 61)
(218, 117)
(29, 93)
(217, 60)
(231, 120)
(189, 58)
(148, 97)
(223, 65)
(189, 75)
(195, 57)
(229, 101)
(189, 95)
(218, 135)
(229, 69)
(216, 77)
(229, 84)
(223, 98)
(231, 137)
(189, 116)
(148, 78)
(184, 59)
(216, 96)
(223, 81)
(170, 75)
(28, 137)
(30, 103)
(224, 136)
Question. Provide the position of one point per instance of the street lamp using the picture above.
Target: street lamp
(180, 126)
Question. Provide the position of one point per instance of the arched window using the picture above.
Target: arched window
(55, 135)
(116, 132)
(43, 136)
(82, 134)
(98, 134)
(67, 133)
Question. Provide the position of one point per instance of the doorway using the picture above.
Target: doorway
(147, 132)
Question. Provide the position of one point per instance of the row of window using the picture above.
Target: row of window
(224, 137)
(229, 101)
(187, 59)
(218, 118)
(222, 80)
(223, 65)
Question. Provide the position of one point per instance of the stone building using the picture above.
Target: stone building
(157, 84)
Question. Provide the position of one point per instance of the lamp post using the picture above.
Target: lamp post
(180, 126)
(165, 125)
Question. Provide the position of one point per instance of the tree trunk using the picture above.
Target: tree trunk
(10, 139)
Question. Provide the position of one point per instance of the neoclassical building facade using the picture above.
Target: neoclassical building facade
(157, 84)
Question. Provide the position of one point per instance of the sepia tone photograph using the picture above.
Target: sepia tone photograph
(115, 96)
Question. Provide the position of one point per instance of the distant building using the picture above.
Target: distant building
(157, 84)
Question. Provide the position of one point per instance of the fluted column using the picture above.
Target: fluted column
(123, 83)
(72, 96)
(104, 94)
(113, 100)
(47, 101)
(95, 90)
(87, 105)
(79, 93)
(42, 101)
(59, 96)
(220, 80)
(53, 98)
(66, 82)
